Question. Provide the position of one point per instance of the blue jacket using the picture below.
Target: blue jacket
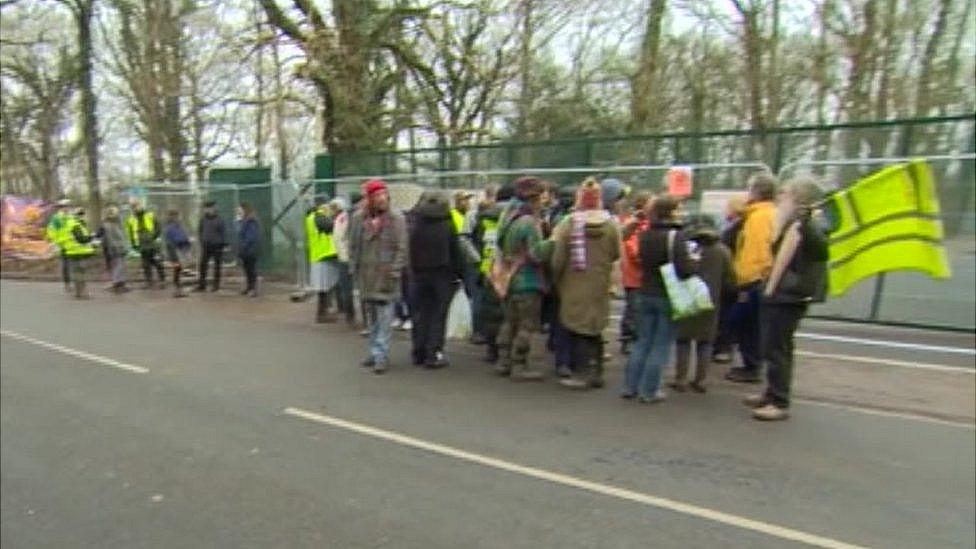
(175, 235)
(248, 238)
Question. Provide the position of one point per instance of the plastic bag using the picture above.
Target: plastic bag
(459, 316)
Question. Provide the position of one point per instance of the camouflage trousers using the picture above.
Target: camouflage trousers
(521, 324)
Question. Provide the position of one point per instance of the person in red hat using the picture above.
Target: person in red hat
(377, 256)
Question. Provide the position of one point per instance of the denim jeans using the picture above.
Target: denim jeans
(472, 289)
(655, 333)
(381, 312)
(344, 292)
(749, 333)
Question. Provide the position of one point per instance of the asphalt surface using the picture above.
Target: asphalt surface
(199, 452)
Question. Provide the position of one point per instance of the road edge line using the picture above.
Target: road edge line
(76, 353)
(729, 519)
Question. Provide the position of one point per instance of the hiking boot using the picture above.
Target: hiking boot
(678, 386)
(575, 383)
(741, 375)
(722, 358)
(527, 375)
(755, 401)
(658, 397)
(770, 412)
(698, 387)
(436, 362)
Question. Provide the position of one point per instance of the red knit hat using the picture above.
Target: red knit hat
(373, 186)
(588, 197)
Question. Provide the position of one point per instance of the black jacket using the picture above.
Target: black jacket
(654, 253)
(433, 240)
(805, 278)
(212, 232)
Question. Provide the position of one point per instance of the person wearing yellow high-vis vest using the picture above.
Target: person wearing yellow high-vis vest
(143, 231)
(322, 256)
(78, 248)
(55, 234)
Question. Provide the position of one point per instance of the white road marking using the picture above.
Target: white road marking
(766, 528)
(76, 353)
(870, 342)
(885, 413)
(885, 343)
(890, 362)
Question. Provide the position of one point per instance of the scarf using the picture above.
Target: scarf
(577, 235)
(374, 223)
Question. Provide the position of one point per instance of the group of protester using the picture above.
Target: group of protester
(533, 258)
(155, 244)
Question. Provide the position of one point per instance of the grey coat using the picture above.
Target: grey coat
(715, 268)
(377, 260)
(113, 240)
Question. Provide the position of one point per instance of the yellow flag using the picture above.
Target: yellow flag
(888, 221)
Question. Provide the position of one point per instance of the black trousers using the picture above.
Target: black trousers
(208, 253)
(250, 264)
(150, 260)
(779, 324)
(587, 355)
(431, 293)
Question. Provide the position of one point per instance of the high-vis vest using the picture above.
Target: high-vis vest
(73, 248)
(54, 232)
(458, 219)
(320, 245)
(132, 224)
(489, 231)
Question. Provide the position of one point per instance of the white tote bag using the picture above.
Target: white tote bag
(459, 316)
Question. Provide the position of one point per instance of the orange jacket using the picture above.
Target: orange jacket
(754, 247)
(630, 267)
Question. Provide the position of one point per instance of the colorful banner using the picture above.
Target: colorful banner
(22, 222)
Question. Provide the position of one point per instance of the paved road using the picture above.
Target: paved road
(198, 450)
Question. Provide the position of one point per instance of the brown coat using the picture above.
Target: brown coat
(715, 268)
(584, 296)
(377, 260)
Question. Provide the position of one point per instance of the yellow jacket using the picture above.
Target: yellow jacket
(754, 247)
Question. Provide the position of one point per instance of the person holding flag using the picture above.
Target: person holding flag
(797, 279)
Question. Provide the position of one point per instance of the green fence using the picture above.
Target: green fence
(838, 154)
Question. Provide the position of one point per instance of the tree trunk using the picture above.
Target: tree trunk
(525, 69)
(643, 111)
(279, 111)
(89, 112)
(923, 99)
